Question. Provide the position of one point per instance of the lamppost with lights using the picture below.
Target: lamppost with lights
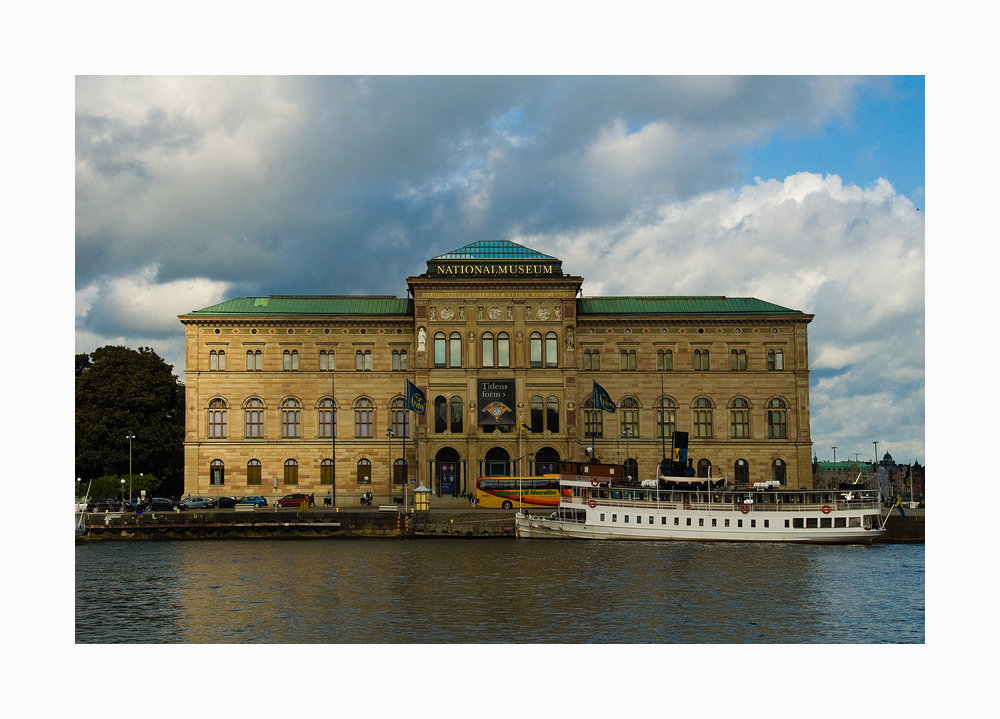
(130, 436)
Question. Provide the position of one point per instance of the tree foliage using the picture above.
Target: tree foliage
(119, 390)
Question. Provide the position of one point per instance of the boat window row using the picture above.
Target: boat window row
(513, 483)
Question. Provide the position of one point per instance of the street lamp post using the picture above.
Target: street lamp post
(130, 436)
(389, 435)
(834, 464)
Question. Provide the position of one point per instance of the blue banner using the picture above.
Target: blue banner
(602, 400)
(415, 399)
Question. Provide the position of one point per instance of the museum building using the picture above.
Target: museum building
(308, 393)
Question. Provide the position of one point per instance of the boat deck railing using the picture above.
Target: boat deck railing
(797, 507)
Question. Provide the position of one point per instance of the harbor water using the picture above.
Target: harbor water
(496, 591)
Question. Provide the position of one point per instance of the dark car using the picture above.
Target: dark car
(160, 504)
(255, 500)
(225, 502)
(293, 500)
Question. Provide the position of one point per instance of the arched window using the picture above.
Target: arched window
(487, 355)
(217, 360)
(290, 360)
(503, 350)
(326, 360)
(440, 414)
(364, 418)
(702, 417)
(254, 414)
(255, 360)
(628, 411)
(399, 360)
(217, 418)
(364, 471)
(455, 349)
(326, 471)
(537, 414)
(664, 360)
(253, 472)
(363, 361)
(552, 414)
(704, 468)
(593, 420)
(399, 419)
(535, 349)
(628, 360)
(666, 417)
(327, 417)
(592, 360)
(291, 418)
(741, 472)
(291, 471)
(738, 360)
(777, 419)
(779, 471)
(456, 414)
(217, 473)
(701, 361)
(775, 360)
(551, 349)
(631, 468)
(739, 419)
(440, 350)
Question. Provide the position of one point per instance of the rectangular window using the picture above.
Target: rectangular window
(713, 521)
(701, 521)
(217, 423)
(839, 522)
(767, 523)
(753, 523)
(739, 523)
(727, 522)
(663, 520)
(326, 423)
(786, 524)
(677, 520)
(614, 517)
(825, 522)
(626, 519)
(289, 423)
(255, 423)
(689, 521)
(855, 522)
(797, 523)
(811, 523)
(650, 520)
(602, 516)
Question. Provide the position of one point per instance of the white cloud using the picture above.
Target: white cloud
(137, 305)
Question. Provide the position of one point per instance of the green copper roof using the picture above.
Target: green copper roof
(310, 305)
(679, 306)
(494, 250)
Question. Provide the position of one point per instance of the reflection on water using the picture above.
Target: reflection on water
(472, 591)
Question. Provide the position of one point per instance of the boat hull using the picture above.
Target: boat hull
(537, 528)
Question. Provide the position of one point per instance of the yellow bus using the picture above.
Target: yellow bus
(509, 492)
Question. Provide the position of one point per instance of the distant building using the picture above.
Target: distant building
(507, 354)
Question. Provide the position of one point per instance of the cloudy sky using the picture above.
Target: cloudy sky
(803, 191)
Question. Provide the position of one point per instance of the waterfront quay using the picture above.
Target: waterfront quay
(448, 518)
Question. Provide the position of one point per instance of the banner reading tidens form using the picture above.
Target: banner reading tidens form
(496, 401)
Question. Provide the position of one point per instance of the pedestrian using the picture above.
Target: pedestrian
(312, 500)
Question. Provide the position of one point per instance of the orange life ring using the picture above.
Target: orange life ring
(826, 509)
(592, 503)
(745, 509)
(595, 482)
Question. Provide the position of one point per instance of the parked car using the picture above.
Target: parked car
(225, 502)
(160, 504)
(255, 500)
(293, 500)
(196, 503)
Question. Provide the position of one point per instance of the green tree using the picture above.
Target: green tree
(119, 390)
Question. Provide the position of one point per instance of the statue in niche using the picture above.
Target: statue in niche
(510, 314)
(569, 338)
(421, 340)
(558, 312)
(433, 312)
(461, 314)
(480, 315)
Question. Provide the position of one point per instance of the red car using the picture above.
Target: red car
(293, 500)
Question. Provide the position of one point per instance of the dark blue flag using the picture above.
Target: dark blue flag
(415, 399)
(602, 400)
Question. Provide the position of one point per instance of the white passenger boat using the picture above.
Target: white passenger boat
(595, 504)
